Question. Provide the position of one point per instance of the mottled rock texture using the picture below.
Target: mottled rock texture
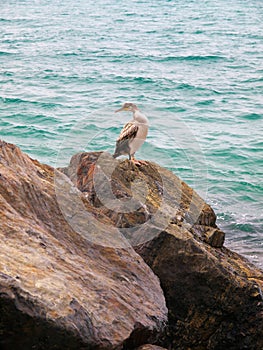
(59, 290)
(160, 197)
(214, 296)
(150, 347)
(70, 278)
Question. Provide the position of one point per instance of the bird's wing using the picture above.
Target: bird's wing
(128, 132)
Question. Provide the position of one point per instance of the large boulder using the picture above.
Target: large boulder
(214, 295)
(60, 286)
(147, 198)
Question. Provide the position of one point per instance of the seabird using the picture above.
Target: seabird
(133, 133)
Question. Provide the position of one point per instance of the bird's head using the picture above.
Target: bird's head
(128, 106)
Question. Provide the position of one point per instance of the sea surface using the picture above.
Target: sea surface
(195, 67)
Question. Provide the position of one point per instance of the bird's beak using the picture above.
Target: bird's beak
(119, 110)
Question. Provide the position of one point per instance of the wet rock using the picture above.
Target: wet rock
(67, 280)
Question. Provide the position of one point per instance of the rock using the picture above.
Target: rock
(211, 235)
(150, 196)
(69, 276)
(60, 286)
(214, 296)
(150, 347)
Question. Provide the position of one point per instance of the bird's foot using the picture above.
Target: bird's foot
(138, 162)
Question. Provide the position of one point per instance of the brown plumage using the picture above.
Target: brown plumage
(127, 134)
(133, 133)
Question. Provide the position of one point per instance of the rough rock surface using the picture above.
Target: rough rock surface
(150, 347)
(214, 296)
(59, 290)
(69, 276)
(160, 197)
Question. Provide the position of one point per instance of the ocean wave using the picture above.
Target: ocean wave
(16, 100)
(193, 58)
(187, 86)
(251, 116)
(7, 53)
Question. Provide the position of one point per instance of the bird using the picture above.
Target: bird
(133, 134)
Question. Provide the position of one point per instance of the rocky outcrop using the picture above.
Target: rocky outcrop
(58, 289)
(70, 277)
(150, 347)
(149, 196)
(214, 296)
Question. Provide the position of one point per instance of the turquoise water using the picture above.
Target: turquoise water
(194, 67)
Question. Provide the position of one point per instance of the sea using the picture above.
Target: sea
(194, 67)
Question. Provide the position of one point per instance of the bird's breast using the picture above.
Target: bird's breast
(142, 131)
(139, 139)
